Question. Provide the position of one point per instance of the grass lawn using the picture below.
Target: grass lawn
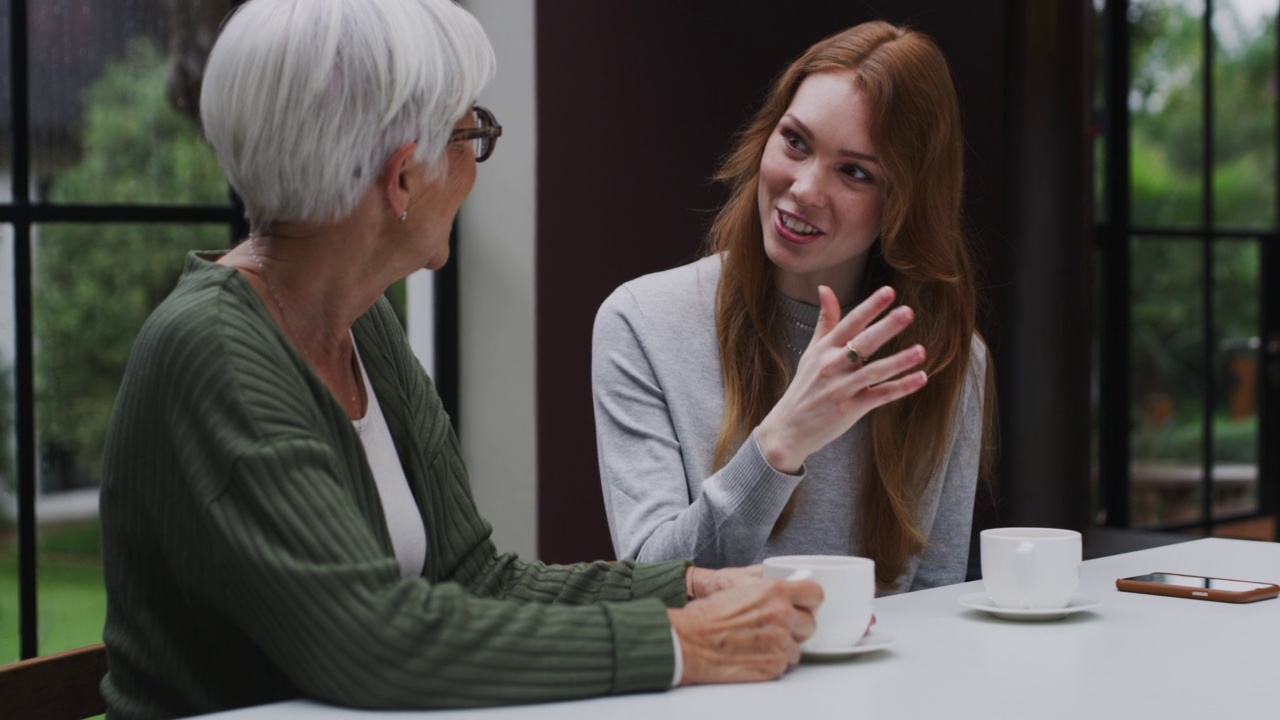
(71, 603)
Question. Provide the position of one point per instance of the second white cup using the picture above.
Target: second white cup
(1030, 568)
(848, 587)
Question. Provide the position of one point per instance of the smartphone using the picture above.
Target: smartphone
(1198, 587)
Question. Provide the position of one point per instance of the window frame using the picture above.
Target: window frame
(22, 213)
(1116, 292)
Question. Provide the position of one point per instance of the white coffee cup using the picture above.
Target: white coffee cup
(1030, 568)
(848, 587)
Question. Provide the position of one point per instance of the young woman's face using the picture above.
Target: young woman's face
(820, 189)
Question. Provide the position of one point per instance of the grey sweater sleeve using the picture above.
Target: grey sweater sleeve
(656, 512)
(946, 512)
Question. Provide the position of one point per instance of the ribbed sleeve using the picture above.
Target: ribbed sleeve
(658, 402)
(247, 558)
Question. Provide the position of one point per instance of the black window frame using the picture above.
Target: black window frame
(1116, 293)
(21, 213)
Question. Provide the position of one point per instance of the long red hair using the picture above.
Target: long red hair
(921, 253)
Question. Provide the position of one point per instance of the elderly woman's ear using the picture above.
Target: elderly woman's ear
(398, 177)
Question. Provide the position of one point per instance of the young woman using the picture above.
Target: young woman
(765, 399)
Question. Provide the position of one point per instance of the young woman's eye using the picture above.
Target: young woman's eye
(794, 141)
(856, 172)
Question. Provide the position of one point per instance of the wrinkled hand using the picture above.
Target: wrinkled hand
(701, 582)
(749, 632)
(829, 393)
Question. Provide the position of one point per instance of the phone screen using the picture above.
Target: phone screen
(1199, 582)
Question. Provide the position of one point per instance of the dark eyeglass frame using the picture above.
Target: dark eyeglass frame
(486, 132)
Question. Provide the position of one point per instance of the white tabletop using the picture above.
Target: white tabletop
(1134, 656)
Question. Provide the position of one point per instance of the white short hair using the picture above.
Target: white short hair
(305, 100)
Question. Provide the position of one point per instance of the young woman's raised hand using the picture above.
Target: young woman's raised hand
(837, 382)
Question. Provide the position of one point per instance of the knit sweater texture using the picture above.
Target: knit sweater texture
(659, 403)
(247, 558)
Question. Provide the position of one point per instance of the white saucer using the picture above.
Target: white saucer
(980, 601)
(871, 642)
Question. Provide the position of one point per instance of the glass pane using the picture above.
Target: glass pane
(6, 118)
(112, 112)
(1244, 137)
(94, 285)
(1165, 101)
(1168, 382)
(9, 632)
(1235, 418)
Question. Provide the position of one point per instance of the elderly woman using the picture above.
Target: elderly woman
(284, 509)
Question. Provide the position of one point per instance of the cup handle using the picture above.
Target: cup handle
(1024, 556)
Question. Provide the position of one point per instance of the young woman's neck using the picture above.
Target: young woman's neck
(844, 280)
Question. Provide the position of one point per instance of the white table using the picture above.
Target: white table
(1135, 656)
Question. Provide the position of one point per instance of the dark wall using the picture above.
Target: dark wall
(637, 101)
(1045, 300)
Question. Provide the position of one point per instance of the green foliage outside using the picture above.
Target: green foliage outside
(1234, 441)
(6, 450)
(95, 284)
(1167, 120)
(136, 147)
(1167, 189)
(71, 605)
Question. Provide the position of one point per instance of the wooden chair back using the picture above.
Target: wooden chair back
(62, 686)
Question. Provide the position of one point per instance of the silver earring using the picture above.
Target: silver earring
(404, 216)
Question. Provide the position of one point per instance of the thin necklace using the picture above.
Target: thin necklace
(262, 270)
(796, 320)
(786, 336)
(794, 349)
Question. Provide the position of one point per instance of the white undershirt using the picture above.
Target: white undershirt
(408, 534)
(404, 522)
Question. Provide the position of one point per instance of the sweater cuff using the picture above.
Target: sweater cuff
(664, 581)
(754, 487)
(644, 658)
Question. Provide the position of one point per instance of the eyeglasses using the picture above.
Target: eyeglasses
(485, 134)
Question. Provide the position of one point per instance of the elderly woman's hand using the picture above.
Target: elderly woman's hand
(701, 582)
(751, 631)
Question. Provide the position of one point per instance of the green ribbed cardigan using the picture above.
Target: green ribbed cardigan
(247, 559)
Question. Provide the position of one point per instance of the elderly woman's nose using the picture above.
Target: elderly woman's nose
(808, 186)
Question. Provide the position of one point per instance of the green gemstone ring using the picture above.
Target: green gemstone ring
(854, 356)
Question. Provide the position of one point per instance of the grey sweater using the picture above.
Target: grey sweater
(659, 400)
(247, 558)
